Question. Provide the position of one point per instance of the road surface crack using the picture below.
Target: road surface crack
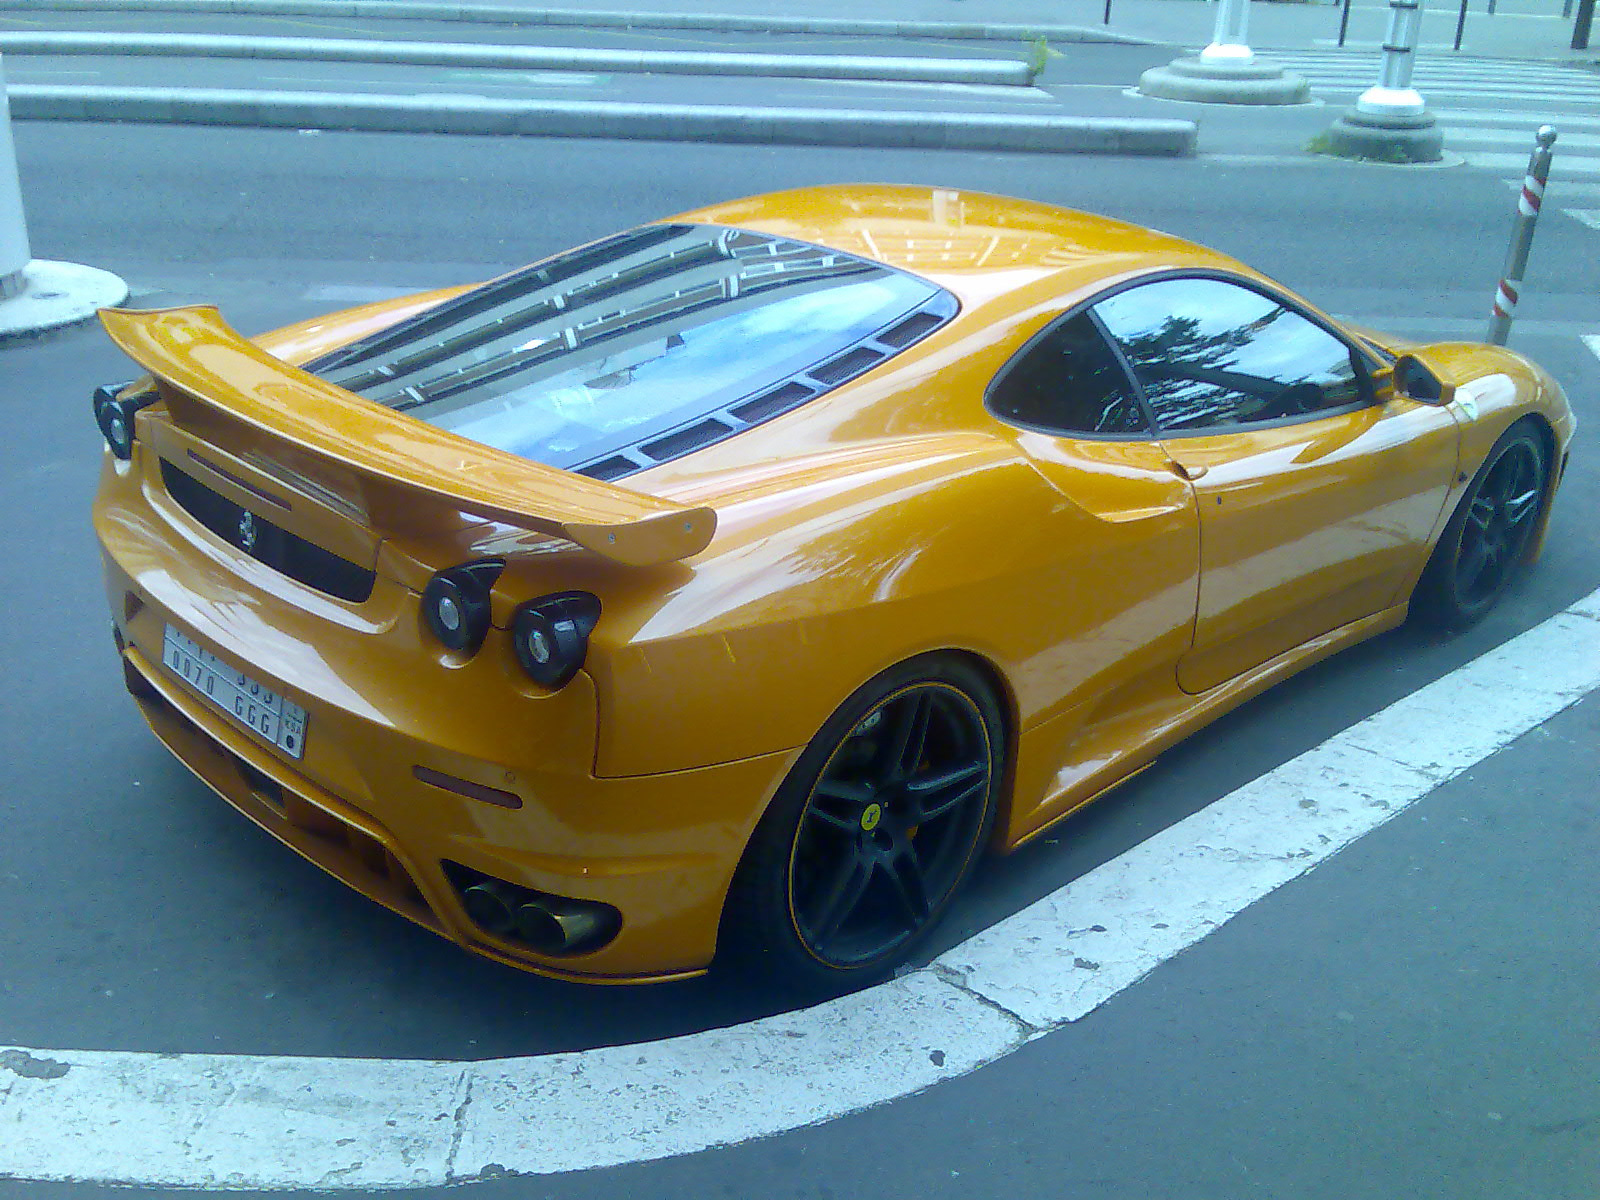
(958, 980)
(460, 1126)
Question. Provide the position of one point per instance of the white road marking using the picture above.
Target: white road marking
(1587, 167)
(1589, 216)
(1592, 340)
(1455, 135)
(208, 1121)
(1522, 120)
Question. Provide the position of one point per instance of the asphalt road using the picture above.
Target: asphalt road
(1415, 1018)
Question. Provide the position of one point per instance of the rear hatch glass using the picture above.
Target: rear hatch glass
(642, 347)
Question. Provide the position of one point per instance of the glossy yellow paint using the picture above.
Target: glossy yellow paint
(404, 476)
(1119, 594)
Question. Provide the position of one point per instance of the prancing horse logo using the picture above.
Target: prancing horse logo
(247, 532)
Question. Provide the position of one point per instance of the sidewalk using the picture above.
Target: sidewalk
(1519, 29)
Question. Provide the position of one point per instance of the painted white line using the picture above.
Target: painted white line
(1592, 340)
(1589, 216)
(219, 1121)
(1522, 120)
(1586, 167)
(1455, 134)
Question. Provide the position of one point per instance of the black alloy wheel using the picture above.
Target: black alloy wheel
(1487, 537)
(873, 832)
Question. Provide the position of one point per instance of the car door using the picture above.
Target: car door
(1317, 493)
(1125, 540)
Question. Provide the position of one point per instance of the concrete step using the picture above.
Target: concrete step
(531, 117)
(561, 58)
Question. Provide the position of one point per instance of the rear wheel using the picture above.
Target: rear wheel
(873, 831)
(1487, 537)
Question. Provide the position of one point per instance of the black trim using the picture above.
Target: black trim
(269, 544)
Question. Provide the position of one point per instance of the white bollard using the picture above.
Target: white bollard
(1230, 41)
(35, 294)
(14, 252)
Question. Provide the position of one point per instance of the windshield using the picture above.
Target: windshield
(606, 350)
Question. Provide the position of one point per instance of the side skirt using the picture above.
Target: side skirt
(1115, 748)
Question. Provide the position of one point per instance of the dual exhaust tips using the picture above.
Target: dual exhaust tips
(554, 925)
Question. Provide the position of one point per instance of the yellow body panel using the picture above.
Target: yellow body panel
(1118, 593)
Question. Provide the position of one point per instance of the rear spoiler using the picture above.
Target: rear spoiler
(411, 465)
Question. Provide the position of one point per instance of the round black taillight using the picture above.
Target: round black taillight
(455, 604)
(551, 635)
(115, 417)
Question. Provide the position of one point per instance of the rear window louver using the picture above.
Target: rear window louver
(913, 327)
(775, 401)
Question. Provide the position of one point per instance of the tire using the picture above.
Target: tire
(872, 833)
(1486, 539)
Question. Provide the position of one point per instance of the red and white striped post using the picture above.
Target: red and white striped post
(1510, 289)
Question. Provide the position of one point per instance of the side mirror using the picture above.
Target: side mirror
(1415, 381)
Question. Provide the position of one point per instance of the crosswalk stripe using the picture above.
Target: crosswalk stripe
(1519, 162)
(1353, 87)
(1564, 191)
(1370, 62)
(1589, 216)
(1562, 121)
(1455, 135)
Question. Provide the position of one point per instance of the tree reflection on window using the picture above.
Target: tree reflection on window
(1209, 353)
(1069, 381)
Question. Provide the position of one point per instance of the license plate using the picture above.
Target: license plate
(282, 722)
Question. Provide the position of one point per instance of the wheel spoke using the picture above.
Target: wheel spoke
(905, 874)
(1481, 512)
(1520, 507)
(937, 793)
(852, 791)
(839, 898)
(1472, 563)
(908, 734)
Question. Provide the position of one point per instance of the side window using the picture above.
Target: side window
(1069, 381)
(1211, 353)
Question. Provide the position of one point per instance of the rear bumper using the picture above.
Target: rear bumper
(381, 701)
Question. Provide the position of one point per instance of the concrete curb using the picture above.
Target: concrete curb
(57, 294)
(1192, 78)
(505, 14)
(599, 119)
(459, 54)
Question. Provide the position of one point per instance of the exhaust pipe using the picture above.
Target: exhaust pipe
(552, 925)
(492, 904)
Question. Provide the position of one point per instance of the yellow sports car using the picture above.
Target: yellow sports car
(727, 586)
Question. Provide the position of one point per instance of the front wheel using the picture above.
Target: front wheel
(872, 832)
(1487, 536)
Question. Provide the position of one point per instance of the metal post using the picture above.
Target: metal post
(1230, 43)
(1566, 9)
(1510, 290)
(1107, 20)
(1582, 26)
(14, 251)
(1344, 21)
(1461, 24)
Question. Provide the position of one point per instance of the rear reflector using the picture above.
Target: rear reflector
(466, 787)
